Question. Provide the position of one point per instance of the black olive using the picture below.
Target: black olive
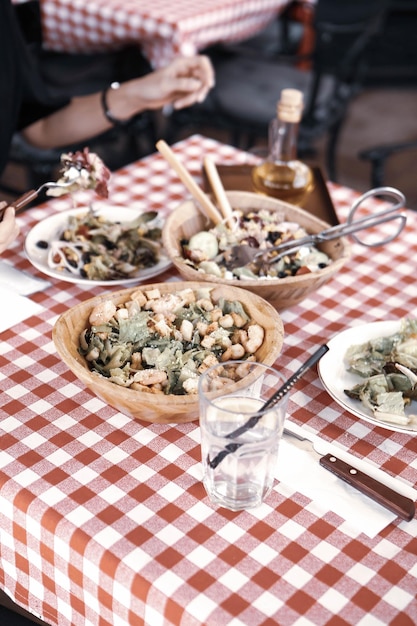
(274, 237)
(43, 245)
(252, 242)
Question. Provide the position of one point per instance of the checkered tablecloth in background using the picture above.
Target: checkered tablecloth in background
(104, 520)
(164, 29)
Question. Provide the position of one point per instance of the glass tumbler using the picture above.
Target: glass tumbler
(239, 435)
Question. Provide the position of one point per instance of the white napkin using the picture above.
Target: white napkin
(20, 282)
(300, 470)
(16, 308)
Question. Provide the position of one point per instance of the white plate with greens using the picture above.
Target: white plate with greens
(46, 234)
(336, 378)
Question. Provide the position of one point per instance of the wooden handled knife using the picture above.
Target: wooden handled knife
(397, 503)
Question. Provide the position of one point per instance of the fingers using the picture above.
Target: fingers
(9, 228)
(204, 70)
(183, 82)
(195, 78)
(189, 99)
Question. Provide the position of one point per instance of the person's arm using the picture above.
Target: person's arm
(184, 82)
(9, 228)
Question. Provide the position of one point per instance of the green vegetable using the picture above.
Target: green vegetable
(205, 243)
(385, 390)
(146, 338)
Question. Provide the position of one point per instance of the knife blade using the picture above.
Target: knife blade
(346, 469)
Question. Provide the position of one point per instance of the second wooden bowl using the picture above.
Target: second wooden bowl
(146, 406)
(282, 293)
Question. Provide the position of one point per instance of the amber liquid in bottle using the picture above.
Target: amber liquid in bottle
(282, 175)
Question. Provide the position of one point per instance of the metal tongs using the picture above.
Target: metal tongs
(242, 254)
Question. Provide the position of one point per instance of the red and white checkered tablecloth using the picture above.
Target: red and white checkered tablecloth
(164, 29)
(104, 520)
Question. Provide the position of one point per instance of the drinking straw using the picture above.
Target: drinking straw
(276, 397)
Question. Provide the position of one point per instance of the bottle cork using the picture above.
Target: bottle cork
(290, 105)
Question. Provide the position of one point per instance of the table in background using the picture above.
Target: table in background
(164, 29)
(104, 520)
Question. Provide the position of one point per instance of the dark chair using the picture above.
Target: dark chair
(393, 64)
(286, 35)
(248, 85)
(378, 156)
(393, 53)
(70, 75)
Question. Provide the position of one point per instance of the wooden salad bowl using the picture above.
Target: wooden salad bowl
(282, 293)
(145, 406)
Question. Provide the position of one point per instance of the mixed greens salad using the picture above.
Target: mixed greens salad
(388, 367)
(162, 343)
(96, 248)
(210, 251)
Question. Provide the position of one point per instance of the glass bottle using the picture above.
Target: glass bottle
(282, 175)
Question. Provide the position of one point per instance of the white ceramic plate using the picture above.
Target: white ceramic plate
(336, 378)
(51, 227)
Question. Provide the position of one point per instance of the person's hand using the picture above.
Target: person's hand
(9, 228)
(183, 82)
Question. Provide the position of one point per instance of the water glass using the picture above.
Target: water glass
(239, 437)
